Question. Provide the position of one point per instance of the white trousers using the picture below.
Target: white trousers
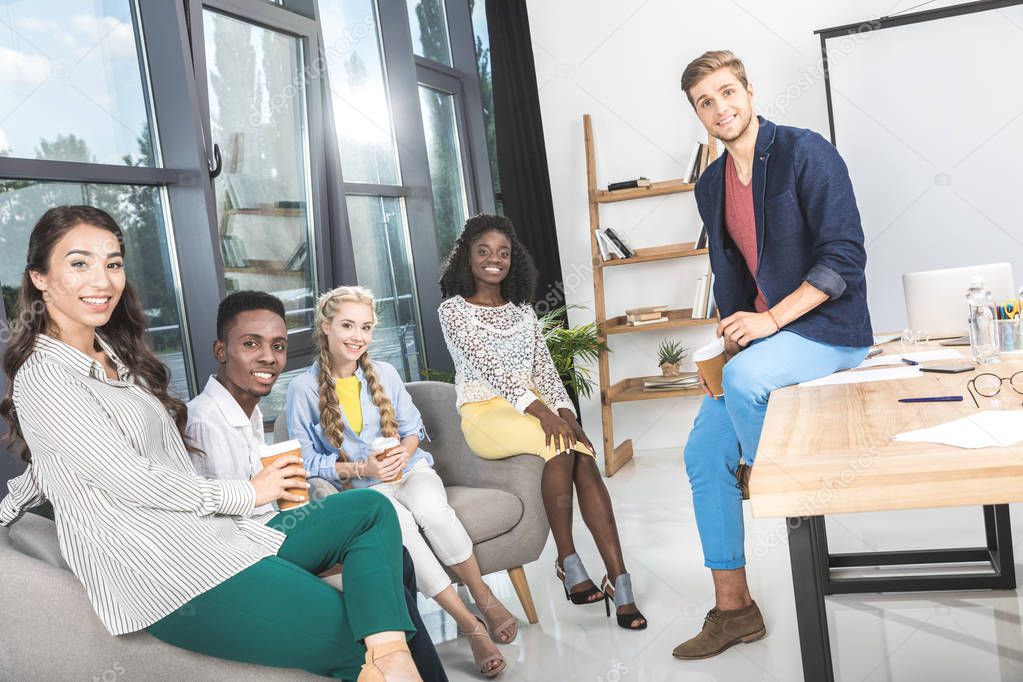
(421, 503)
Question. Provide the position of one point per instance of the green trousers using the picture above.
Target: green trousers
(279, 613)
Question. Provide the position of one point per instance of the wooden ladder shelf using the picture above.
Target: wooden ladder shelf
(630, 389)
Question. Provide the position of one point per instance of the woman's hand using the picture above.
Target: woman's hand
(744, 328)
(273, 481)
(577, 429)
(389, 467)
(558, 433)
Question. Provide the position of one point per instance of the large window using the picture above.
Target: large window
(73, 89)
(297, 145)
(257, 108)
(70, 84)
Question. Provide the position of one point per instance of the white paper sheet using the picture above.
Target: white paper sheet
(989, 428)
(920, 356)
(886, 374)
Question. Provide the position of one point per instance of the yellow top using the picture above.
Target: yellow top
(348, 395)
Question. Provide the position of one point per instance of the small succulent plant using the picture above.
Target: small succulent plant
(671, 352)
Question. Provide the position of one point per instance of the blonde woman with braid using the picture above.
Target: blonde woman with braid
(337, 409)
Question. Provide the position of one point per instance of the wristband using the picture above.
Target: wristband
(357, 474)
(774, 319)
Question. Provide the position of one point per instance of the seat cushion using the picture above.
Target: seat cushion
(485, 512)
(36, 536)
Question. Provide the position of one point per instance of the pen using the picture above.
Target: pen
(935, 399)
(909, 362)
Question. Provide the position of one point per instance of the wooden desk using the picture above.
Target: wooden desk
(828, 450)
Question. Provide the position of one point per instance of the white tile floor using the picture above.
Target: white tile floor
(954, 637)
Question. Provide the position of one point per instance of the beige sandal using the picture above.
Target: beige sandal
(481, 631)
(370, 672)
(493, 603)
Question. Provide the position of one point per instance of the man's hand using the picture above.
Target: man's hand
(731, 349)
(744, 328)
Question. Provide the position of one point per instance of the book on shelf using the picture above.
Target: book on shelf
(712, 306)
(703, 162)
(701, 241)
(629, 184)
(646, 309)
(642, 317)
(619, 242)
(694, 160)
(685, 380)
(699, 307)
(601, 246)
(609, 246)
(643, 323)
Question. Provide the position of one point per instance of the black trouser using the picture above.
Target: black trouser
(423, 651)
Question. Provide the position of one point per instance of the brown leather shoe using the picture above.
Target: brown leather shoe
(722, 629)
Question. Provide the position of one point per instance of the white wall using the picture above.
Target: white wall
(621, 61)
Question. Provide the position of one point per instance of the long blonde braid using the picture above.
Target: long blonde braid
(330, 409)
(388, 418)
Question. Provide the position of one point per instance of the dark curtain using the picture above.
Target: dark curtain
(521, 155)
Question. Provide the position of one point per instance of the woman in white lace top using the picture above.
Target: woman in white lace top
(512, 400)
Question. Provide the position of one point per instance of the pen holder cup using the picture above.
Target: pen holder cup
(1010, 335)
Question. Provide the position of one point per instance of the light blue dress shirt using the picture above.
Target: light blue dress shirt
(318, 454)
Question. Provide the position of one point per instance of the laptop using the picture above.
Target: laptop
(936, 299)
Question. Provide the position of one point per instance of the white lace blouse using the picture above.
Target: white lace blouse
(500, 352)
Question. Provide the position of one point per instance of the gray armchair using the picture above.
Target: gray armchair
(498, 501)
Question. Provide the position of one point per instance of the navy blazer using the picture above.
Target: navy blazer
(808, 229)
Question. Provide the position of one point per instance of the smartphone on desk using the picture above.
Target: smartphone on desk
(948, 369)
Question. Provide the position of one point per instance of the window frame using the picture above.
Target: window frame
(301, 347)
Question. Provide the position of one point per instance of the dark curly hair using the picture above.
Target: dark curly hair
(456, 279)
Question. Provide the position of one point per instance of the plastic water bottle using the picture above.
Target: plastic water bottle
(983, 330)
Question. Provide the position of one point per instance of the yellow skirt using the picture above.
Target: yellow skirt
(495, 430)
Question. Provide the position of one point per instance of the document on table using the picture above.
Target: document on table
(990, 428)
(920, 356)
(886, 374)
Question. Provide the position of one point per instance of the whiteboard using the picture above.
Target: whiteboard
(929, 118)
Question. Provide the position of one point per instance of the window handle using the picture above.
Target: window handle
(218, 162)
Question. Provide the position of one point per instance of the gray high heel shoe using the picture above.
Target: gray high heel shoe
(571, 574)
(621, 594)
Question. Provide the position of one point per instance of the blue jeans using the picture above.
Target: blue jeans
(725, 424)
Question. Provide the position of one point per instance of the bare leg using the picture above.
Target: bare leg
(595, 505)
(453, 604)
(556, 487)
(492, 609)
(730, 589)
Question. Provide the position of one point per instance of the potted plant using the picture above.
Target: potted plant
(669, 357)
(570, 347)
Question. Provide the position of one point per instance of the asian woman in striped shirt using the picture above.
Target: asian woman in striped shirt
(156, 546)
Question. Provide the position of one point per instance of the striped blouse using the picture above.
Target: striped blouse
(141, 531)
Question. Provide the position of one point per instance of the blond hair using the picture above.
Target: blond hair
(706, 64)
(330, 409)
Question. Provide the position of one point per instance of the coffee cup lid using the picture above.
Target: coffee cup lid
(280, 448)
(715, 347)
(381, 442)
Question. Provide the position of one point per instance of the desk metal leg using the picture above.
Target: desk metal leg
(996, 553)
(805, 547)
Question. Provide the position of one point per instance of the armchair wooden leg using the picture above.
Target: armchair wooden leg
(518, 578)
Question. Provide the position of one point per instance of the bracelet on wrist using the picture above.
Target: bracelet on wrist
(358, 474)
(777, 327)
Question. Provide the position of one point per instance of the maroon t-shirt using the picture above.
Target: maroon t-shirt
(741, 223)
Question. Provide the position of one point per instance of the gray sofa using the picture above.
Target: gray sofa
(498, 501)
(51, 632)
